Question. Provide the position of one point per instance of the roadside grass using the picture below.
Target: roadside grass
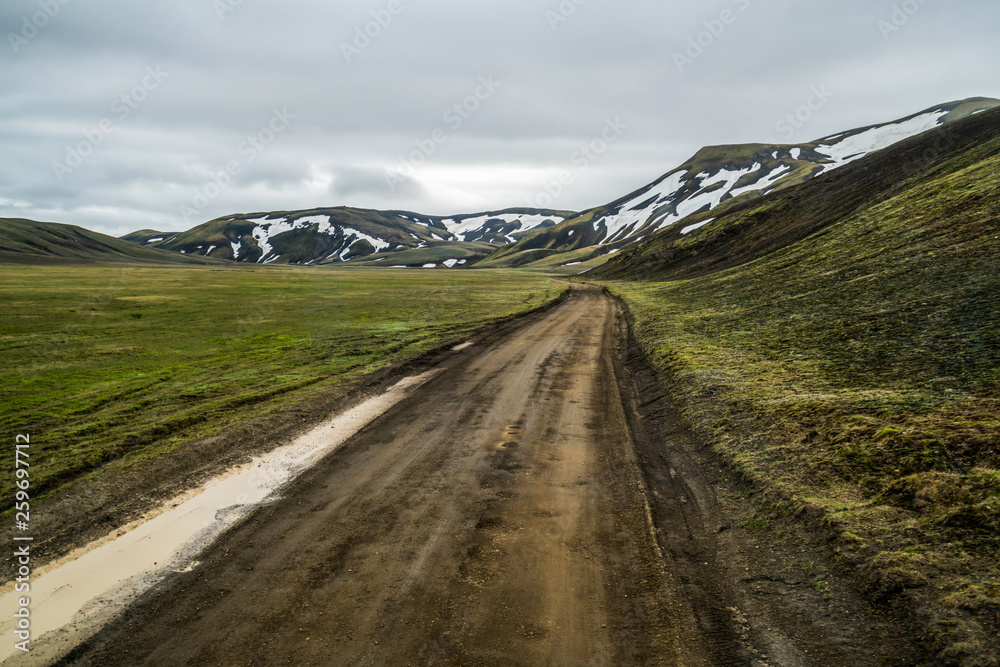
(114, 363)
(856, 375)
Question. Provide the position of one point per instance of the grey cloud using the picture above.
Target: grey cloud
(354, 120)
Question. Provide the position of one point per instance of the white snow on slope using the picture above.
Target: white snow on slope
(763, 183)
(631, 219)
(378, 244)
(154, 240)
(857, 146)
(268, 229)
(236, 249)
(711, 198)
(796, 152)
(629, 216)
(467, 225)
(691, 228)
(210, 249)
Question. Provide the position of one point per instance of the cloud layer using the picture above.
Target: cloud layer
(121, 116)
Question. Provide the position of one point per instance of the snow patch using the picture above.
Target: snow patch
(450, 262)
(765, 182)
(691, 228)
(430, 266)
(711, 198)
(859, 145)
(154, 240)
(466, 226)
(349, 232)
(796, 152)
(236, 249)
(210, 249)
(629, 215)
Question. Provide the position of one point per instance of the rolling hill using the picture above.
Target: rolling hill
(29, 241)
(837, 343)
(336, 235)
(715, 177)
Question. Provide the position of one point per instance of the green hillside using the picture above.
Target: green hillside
(838, 343)
(117, 367)
(27, 241)
(684, 196)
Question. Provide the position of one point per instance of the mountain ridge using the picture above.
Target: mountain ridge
(342, 234)
(717, 175)
(30, 241)
(715, 178)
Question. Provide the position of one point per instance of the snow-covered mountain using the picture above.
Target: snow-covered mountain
(686, 196)
(337, 235)
(718, 174)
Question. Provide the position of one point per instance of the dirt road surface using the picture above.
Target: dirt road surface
(496, 517)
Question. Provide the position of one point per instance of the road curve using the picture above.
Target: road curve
(495, 517)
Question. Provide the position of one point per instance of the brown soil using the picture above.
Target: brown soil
(537, 503)
(119, 494)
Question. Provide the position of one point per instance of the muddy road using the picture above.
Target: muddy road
(497, 516)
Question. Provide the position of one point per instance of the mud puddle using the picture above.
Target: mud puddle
(76, 595)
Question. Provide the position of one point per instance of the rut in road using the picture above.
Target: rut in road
(494, 517)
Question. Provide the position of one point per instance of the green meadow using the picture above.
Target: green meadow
(105, 363)
(857, 373)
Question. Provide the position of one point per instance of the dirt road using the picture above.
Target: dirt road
(495, 517)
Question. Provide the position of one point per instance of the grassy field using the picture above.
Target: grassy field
(123, 362)
(857, 373)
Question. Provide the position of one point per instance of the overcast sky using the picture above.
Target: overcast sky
(123, 115)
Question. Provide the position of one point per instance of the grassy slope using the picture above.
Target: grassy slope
(437, 251)
(554, 241)
(105, 363)
(856, 373)
(28, 241)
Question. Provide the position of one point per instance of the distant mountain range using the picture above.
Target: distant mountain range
(686, 198)
(339, 235)
(716, 177)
